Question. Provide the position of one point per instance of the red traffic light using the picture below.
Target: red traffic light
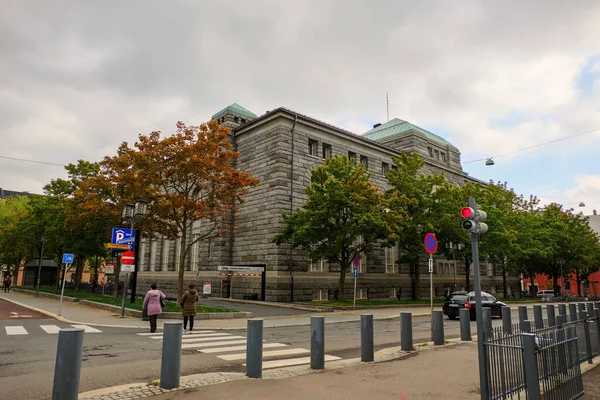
(467, 212)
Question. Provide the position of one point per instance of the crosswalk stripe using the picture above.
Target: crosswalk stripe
(87, 329)
(238, 348)
(274, 353)
(208, 339)
(160, 334)
(15, 330)
(211, 344)
(293, 361)
(50, 328)
(194, 336)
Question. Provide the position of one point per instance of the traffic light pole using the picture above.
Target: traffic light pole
(479, 311)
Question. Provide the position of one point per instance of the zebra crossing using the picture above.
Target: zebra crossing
(20, 330)
(232, 347)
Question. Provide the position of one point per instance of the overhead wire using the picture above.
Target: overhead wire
(32, 161)
(532, 147)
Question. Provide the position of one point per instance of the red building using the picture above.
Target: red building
(543, 282)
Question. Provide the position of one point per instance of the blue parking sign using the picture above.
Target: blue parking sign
(123, 236)
(68, 258)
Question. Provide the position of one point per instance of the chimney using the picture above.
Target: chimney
(376, 125)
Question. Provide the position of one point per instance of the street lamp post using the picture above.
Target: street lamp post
(130, 211)
(37, 289)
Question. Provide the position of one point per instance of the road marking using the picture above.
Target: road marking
(50, 328)
(274, 353)
(160, 334)
(211, 344)
(293, 361)
(212, 338)
(194, 336)
(15, 330)
(87, 329)
(238, 348)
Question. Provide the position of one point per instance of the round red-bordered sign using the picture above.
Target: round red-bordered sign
(431, 243)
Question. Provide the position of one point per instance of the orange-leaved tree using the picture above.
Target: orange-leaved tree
(189, 180)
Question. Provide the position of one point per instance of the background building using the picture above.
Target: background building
(280, 148)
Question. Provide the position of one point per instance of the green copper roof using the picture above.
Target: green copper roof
(235, 107)
(398, 127)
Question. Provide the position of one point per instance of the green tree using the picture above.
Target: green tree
(423, 199)
(13, 247)
(343, 217)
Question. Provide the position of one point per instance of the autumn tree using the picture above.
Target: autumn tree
(343, 217)
(189, 180)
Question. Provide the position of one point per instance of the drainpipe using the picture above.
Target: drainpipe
(290, 265)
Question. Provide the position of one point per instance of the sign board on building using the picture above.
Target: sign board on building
(239, 268)
(109, 269)
(206, 288)
(127, 267)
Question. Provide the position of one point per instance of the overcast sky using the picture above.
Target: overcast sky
(79, 77)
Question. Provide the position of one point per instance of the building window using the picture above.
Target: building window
(362, 293)
(243, 121)
(391, 254)
(430, 150)
(395, 293)
(437, 154)
(444, 157)
(365, 161)
(318, 266)
(320, 295)
(326, 150)
(236, 119)
(313, 147)
(352, 156)
(385, 167)
(490, 269)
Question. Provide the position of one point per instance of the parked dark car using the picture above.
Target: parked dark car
(460, 300)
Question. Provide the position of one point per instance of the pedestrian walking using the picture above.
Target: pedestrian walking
(7, 283)
(188, 303)
(153, 303)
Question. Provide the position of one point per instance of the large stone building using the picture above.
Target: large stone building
(280, 148)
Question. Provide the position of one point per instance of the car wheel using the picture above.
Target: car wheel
(451, 316)
(472, 316)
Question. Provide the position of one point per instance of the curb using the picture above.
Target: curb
(294, 306)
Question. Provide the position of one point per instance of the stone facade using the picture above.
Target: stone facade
(280, 148)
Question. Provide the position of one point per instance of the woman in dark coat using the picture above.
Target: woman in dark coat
(188, 303)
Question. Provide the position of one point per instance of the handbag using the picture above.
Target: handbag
(162, 303)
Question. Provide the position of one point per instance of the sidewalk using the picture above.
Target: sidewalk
(75, 313)
(441, 372)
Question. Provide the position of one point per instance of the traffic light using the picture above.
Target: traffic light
(473, 220)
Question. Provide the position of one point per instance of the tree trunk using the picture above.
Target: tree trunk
(578, 276)
(341, 294)
(181, 269)
(115, 292)
(556, 286)
(505, 289)
(415, 280)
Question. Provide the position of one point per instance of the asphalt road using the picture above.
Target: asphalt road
(116, 356)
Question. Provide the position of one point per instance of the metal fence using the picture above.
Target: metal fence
(550, 363)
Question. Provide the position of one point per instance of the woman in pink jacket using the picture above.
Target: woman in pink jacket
(152, 303)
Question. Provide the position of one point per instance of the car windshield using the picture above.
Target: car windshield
(459, 297)
(487, 297)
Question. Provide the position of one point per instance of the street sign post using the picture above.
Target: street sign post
(431, 245)
(356, 262)
(127, 266)
(123, 236)
(68, 259)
